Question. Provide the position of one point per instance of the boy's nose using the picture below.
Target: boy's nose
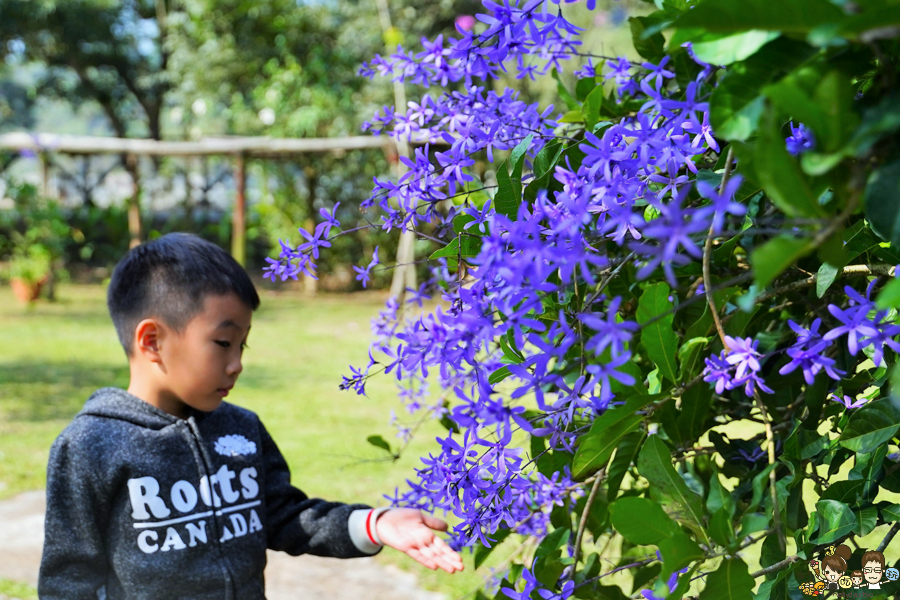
(235, 368)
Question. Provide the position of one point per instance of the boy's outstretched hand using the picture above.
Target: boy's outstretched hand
(410, 531)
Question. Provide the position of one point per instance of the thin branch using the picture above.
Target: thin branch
(707, 253)
(770, 443)
(890, 536)
(776, 567)
(852, 270)
(584, 517)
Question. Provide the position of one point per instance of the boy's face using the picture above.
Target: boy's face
(201, 364)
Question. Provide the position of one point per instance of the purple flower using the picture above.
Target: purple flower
(801, 140)
(847, 401)
(672, 583)
(750, 457)
(364, 274)
(722, 203)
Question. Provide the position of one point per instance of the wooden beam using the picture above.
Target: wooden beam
(249, 146)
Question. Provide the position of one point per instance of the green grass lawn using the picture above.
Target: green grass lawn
(52, 356)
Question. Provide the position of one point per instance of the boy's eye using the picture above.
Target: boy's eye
(227, 344)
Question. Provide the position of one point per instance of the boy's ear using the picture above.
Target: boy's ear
(148, 336)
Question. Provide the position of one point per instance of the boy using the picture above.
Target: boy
(164, 490)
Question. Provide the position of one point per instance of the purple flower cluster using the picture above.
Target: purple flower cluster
(507, 334)
(865, 326)
(736, 366)
(867, 329)
(533, 36)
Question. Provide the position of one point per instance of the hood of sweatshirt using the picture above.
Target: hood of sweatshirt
(116, 403)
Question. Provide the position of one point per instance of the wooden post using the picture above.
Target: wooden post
(45, 175)
(134, 207)
(405, 273)
(238, 229)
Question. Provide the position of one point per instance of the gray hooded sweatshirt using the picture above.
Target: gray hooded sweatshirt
(141, 504)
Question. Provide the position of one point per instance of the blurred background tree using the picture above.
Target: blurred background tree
(184, 69)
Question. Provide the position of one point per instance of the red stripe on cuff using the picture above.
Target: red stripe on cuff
(368, 531)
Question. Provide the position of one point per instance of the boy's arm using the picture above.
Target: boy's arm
(298, 524)
(73, 565)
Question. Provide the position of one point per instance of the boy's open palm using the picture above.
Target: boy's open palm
(411, 531)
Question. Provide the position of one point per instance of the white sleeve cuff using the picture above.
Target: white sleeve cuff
(362, 529)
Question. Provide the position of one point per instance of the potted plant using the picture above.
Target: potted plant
(28, 272)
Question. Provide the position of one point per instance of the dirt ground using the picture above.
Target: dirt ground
(287, 577)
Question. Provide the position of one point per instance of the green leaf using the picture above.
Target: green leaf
(796, 16)
(655, 465)
(871, 426)
(866, 520)
(689, 355)
(678, 551)
(552, 542)
(607, 431)
(626, 454)
(824, 103)
(751, 523)
(732, 48)
(482, 551)
(653, 47)
(719, 498)
(498, 376)
(379, 442)
(511, 353)
(691, 420)
(571, 103)
(759, 484)
(460, 222)
(804, 444)
(731, 581)
(547, 158)
(780, 175)
(825, 277)
(776, 255)
(737, 103)
(882, 202)
(462, 245)
(844, 491)
(835, 520)
(771, 551)
(891, 514)
(509, 180)
(641, 521)
(590, 110)
(889, 296)
(658, 338)
(517, 156)
(720, 528)
(584, 87)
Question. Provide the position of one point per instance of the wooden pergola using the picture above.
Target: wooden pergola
(241, 148)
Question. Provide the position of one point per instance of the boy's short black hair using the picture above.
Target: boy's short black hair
(169, 278)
